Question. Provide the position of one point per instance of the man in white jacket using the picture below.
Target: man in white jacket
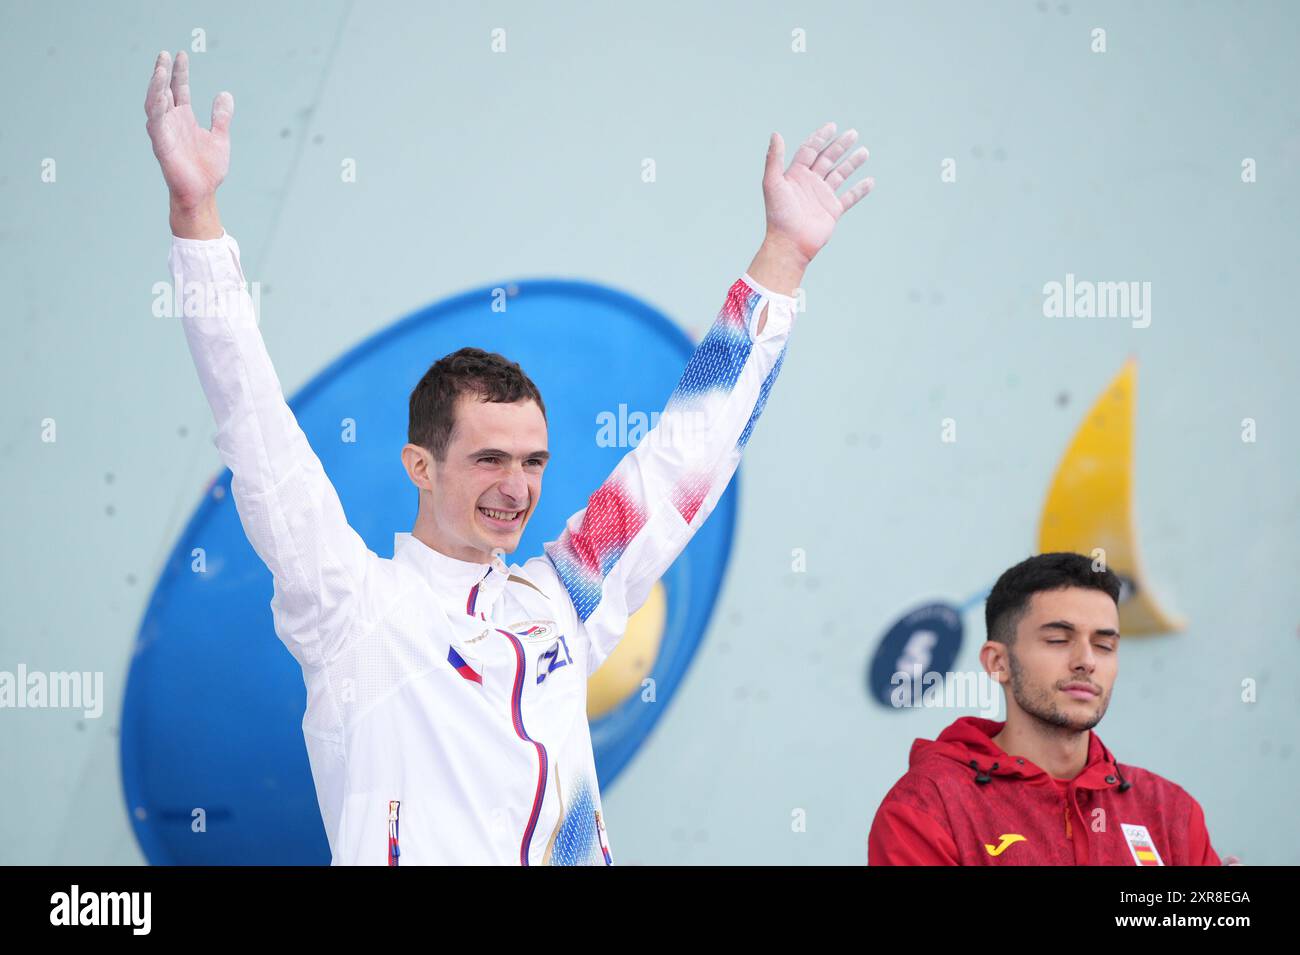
(446, 691)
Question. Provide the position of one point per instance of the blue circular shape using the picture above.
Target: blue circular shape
(212, 720)
(924, 640)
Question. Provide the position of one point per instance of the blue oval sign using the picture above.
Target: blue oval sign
(922, 643)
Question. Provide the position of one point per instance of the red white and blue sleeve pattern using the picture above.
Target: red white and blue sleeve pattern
(636, 523)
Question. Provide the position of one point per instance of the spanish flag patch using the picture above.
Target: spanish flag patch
(1141, 845)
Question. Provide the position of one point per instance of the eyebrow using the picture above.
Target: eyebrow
(497, 452)
(1066, 625)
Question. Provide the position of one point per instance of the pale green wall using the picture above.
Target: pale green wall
(1115, 166)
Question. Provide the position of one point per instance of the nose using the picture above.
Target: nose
(1085, 659)
(515, 487)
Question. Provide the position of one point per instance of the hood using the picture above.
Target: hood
(969, 742)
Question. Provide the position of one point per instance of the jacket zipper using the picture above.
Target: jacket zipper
(517, 714)
(394, 849)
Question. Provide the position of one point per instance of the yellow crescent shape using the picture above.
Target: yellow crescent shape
(1090, 502)
(623, 670)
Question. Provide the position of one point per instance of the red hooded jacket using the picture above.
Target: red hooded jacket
(964, 801)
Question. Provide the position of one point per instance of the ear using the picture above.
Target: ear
(419, 466)
(993, 657)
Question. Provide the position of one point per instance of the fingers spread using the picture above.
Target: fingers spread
(158, 96)
(845, 169)
(181, 80)
(813, 145)
(832, 153)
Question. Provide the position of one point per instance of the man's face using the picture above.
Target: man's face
(488, 486)
(1065, 657)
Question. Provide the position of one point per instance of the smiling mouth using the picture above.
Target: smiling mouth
(503, 517)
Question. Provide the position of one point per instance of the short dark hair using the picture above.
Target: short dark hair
(490, 376)
(1009, 598)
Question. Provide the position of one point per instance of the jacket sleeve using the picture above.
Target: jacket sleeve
(903, 835)
(611, 552)
(1199, 849)
(288, 507)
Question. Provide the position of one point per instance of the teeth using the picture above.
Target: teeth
(500, 515)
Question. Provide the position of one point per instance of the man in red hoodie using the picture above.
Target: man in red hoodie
(1040, 789)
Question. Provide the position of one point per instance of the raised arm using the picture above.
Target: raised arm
(611, 553)
(289, 510)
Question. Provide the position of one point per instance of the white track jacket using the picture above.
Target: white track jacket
(446, 700)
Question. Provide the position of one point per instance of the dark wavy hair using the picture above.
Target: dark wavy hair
(490, 376)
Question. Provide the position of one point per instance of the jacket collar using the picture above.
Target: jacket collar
(969, 740)
(450, 577)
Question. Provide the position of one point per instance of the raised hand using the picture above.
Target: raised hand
(194, 160)
(802, 207)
